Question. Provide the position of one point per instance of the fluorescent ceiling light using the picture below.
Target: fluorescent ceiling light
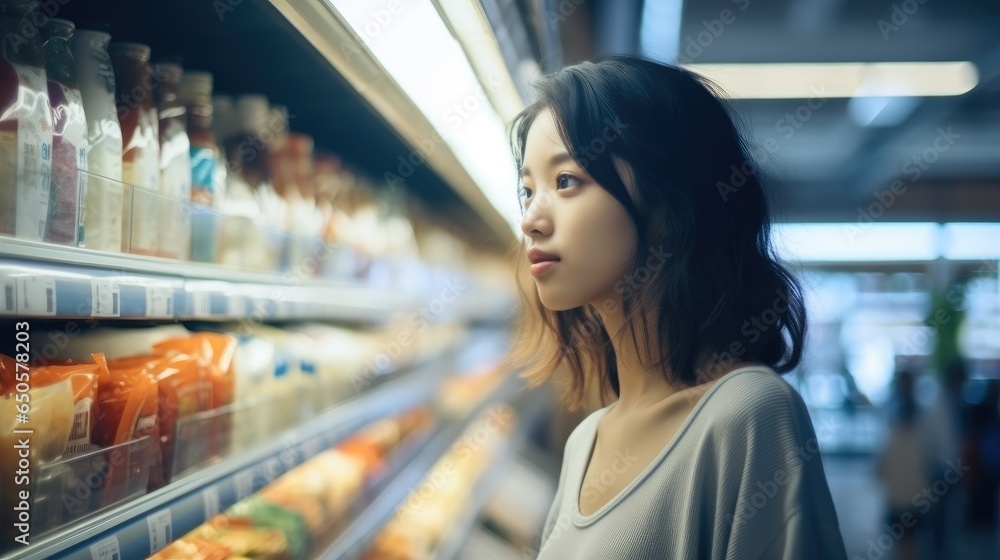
(857, 242)
(828, 80)
(414, 45)
(473, 31)
(969, 241)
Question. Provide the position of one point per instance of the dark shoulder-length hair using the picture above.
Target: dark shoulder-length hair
(697, 202)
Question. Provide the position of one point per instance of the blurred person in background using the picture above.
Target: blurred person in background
(944, 420)
(983, 461)
(903, 466)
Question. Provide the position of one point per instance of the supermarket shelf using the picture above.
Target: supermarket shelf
(355, 539)
(43, 280)
(181, 506)
(332, 36)
(453, 543)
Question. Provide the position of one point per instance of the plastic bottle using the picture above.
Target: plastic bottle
(134, 86)
(263, 250)
(104, 198)
(208, 170)
(69, 139)
(175, 162)
(25, 124)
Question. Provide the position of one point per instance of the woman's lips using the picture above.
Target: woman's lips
(540, 268)
(541, 261)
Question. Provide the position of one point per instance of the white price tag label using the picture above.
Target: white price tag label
(210, 497)
(106, 294)
(107, 549)
(160, 530)
(201, 304)
(244, 484)
(36, 295)
(236, 306)
(159, 301)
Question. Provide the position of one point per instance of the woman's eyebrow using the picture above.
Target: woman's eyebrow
(558, 157)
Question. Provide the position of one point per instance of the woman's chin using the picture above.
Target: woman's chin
(558, 303)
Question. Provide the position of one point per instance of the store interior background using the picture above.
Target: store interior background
(888, 208)
(903, 280)
(886, 183)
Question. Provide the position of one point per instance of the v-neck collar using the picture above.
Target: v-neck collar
(581, 520)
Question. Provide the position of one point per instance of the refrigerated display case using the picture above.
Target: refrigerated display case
(406, 278)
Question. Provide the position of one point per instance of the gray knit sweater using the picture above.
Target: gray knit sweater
(742, 479)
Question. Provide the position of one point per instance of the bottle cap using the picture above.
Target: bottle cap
(196, 86)
(59, 27)
(253, 111)
(136, 51)
(169, 72)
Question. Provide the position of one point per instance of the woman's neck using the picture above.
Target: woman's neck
(641, 387)
(638, 386)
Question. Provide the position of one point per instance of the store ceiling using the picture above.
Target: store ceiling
(829, 166)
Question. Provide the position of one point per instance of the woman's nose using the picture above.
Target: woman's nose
(537, 221)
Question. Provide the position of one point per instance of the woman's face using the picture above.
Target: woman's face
(579, 236)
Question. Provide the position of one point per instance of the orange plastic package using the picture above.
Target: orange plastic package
(208, 437)
(215, 352)
(127, 411)
(182, 394)
(35, 426)
(46, 409)
(84, 378)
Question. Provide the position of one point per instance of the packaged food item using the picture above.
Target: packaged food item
(48, 415)
(180, 395)
(175, 161)
(49, 412)
(25, 124)
(241, 538)
(214, 352)
(208, 437)
(102, 203)
(193, 548)
(264, 514)
(338, 356)
(261, 242)
(296, 393)
(127, 409)
(345, 474)
(254, 363)
(208, 169)
(69, 138)
(304, 217)
(222, 374)
(84, 379)
(140, 146)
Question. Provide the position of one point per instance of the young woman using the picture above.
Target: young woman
(647, 239)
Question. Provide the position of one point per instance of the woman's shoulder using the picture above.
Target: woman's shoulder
(754, 395)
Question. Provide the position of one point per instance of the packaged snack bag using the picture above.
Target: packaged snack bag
(127, 407)
(47, 410)
(84, 378)
(182, 393)
(214, 353)
(45, 414)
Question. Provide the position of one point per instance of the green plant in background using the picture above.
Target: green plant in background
(946, 317)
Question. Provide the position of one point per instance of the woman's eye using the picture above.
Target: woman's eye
(523, 193)
(566, 180)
